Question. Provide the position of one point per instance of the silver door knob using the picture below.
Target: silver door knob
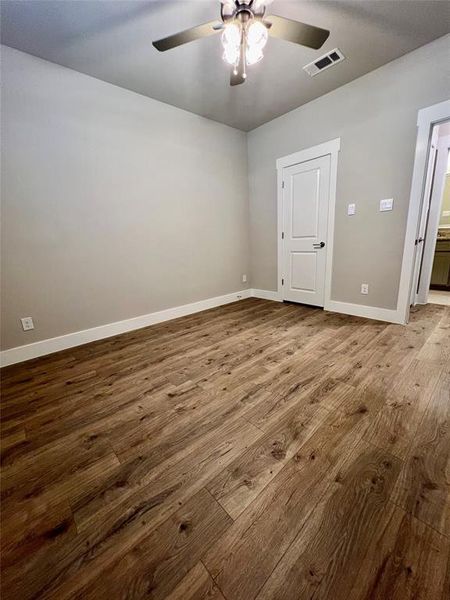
(319, 245)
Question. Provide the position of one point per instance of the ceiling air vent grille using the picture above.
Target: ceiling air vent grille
(333, 57)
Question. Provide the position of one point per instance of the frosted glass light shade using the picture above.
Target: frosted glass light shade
(231, 54)
(253, 54)
(257, 35)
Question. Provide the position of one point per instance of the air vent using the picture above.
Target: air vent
(324, 62)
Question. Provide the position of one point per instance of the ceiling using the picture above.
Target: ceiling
(111, 40)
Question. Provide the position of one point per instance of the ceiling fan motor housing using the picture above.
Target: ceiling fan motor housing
(241, 10)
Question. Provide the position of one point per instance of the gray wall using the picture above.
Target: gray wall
(375, 117)
(113, 205)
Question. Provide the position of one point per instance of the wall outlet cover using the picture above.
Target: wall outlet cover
(351, 209)
(244, 278)
(364, 288)
(27, 323)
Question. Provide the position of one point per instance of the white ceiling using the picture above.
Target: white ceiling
(111, 40)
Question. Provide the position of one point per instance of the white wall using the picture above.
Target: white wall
(375, 117)
(113, 205)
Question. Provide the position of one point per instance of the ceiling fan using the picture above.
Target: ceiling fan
(245, 30)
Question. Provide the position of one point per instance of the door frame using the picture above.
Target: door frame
(426, 119)
(331, 148)
(421, 236)
(437, 193)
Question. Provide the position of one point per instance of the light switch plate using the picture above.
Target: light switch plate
(386, 204)
(351, 209)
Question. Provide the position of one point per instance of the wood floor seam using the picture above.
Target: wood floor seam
(425, 524)
(221, 591)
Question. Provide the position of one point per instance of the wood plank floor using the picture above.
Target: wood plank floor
(254, 451)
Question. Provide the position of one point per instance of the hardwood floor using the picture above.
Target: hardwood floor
(255, 451)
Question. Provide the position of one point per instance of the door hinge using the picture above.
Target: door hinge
(282, 282)
(282, 235)
(282, 184)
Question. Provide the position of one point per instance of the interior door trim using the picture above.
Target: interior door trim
(426, 118)
(331, 148)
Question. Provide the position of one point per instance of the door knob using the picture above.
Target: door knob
(319, 245)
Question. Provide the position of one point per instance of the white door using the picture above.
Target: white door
(421, 234)
(306, 194)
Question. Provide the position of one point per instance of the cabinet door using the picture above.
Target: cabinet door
(441, 269)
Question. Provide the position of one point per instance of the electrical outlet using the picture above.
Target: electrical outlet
(27, 323)
(351, 209)
(244, 278)
(364, 288)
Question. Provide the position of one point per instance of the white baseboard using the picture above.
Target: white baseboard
(63, 342)
(70, 340)
(369, 312)
(358, 310)
(266, 295)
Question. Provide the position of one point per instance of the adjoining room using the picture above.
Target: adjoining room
(225, 315)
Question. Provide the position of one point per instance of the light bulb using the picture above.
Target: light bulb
(231, 40)
(253, 54)
(257, 35)
(231, 54)
(231, 35)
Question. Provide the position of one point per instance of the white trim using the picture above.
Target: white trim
(426, 118)
(267, 295)
(345, 308)
(426, 202)
(70, 340)
(368, 312)
(78, 338)
(332, 148)
(331, 219)
(434, 216)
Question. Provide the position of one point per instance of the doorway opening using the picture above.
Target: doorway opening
(424, 210)
(432, 268)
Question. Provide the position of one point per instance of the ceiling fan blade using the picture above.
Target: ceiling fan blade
(188, 35)
(294, 31)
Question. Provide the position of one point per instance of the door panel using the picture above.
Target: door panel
(303, 271)
(305, 204)
(305, 223)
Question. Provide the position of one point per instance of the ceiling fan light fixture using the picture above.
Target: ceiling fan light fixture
(253, 54)
(231, 54)
(245, 34)
(231, 41)
(256, 39)
(231, 35)
(257, 35)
